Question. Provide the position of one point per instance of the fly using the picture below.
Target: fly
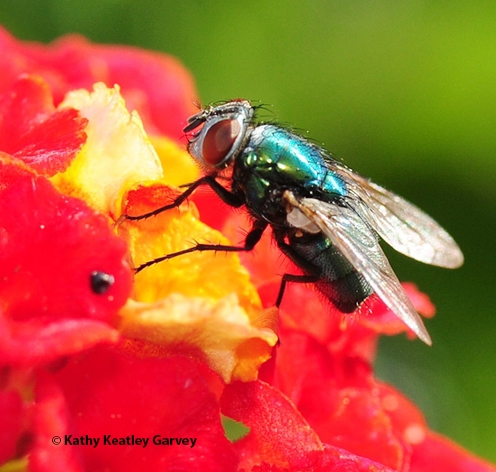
(324, 216)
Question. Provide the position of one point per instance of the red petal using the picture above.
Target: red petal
(32, 130)
(107, 392)
(11, 408)
(215, 213)
(156, 85)
(31, 342)
(333, 388)
(407, 420)
(339, 460)
(50, 245)
(278, 433)
(50, 423)
(437, 453)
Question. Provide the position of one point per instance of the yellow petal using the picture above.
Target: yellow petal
(116, 156)
(202, 303)
(228, 340)
(179, 167)
(205, 274)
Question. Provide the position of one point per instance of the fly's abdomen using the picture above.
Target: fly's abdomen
(316, 256)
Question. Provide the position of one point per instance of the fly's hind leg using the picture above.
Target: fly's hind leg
(287, 249)
(302, 279)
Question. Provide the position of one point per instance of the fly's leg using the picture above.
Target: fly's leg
(224, 194)
(252, 238)
(301, 279)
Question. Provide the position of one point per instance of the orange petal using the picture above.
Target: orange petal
(208, 274)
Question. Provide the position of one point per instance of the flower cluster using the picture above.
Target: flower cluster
(104, 369)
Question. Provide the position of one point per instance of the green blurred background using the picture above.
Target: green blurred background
(405, 92)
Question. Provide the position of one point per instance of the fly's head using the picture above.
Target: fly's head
(218, 134)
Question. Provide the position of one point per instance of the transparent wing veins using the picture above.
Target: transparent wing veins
(401, 224)
(358, 243)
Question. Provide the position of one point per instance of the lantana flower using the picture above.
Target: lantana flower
(104, 368)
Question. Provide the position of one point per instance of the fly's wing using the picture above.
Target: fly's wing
(401, 224)
(358, 243)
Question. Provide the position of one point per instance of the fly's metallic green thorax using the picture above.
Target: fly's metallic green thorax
(324, 216)
(275, 160)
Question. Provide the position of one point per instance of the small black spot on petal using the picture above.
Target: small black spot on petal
(101, 282)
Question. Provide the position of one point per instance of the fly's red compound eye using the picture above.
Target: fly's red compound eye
(219, 140)
(220, 133)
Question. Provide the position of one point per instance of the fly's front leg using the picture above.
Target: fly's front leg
(252, 238)
(224, 194)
